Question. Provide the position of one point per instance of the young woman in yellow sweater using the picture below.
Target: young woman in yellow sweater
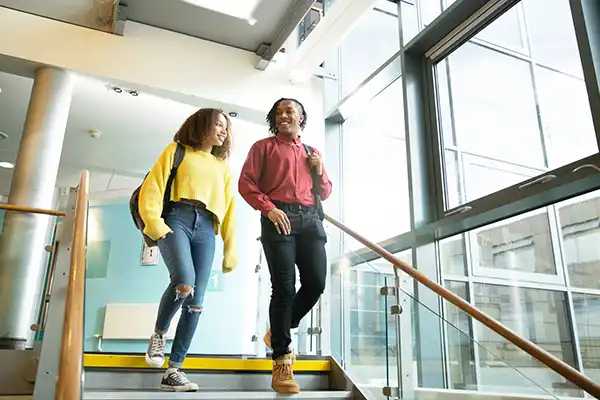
(201, 205)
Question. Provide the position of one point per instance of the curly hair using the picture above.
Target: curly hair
(271, 115)
(197, 126)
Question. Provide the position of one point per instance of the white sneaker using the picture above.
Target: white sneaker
(155, 355)
(175, 381)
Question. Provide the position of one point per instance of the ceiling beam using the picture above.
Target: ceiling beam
(287, 26)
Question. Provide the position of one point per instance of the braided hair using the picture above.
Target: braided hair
(271, 115)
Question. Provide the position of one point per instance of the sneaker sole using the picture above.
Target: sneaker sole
(153, 363)
(167, 388)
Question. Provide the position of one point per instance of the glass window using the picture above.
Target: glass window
(569, 138)
(375, 178)
(587, 316)
(372, 42)
(506, 31)
(502, 117)
(484, 176)
(494, 105)
(430, 9)
(453, 193)
(580, 228)
(452, 256)
(536, 314)
(518, 245)
(460, 347)
(553, 41)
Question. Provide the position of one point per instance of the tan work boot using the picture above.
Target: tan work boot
(283, 375)
(267, 339)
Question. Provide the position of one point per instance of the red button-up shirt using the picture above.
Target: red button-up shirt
(278, 170)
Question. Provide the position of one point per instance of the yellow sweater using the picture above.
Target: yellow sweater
(200, 176)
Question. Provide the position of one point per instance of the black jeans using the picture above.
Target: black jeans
(304, 247)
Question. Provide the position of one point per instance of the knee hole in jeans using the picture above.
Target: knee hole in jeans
(182, 291)
(195, 309)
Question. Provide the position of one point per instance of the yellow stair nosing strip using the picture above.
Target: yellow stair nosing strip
(202, 363)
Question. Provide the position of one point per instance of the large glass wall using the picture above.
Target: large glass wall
(510, 104)
(531, 53)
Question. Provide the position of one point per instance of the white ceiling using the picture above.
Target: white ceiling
(244, 24)
(135, 130)
(217, 23)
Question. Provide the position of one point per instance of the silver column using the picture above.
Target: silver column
(22, 253)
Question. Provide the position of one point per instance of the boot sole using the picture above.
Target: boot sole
(286, 391)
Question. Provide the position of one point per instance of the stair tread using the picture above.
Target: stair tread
(210, 395)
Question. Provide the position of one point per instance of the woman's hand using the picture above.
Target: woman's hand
(280, 220)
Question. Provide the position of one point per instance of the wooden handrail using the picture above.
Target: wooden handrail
(25, 209)
(68, 386)
(559, 366)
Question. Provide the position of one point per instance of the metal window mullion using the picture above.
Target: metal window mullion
(443, 313)
(435, 155)
(474, 341)
(542, 134)
(555, 237)
(591, 292)
(572, 320)
(470, 292)
(586, 19)
(570, 305)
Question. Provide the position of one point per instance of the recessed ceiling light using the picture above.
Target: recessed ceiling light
(7, 165)
(95, 133)
(233, 114)
(3, 135)
(117, 89)
(133, 92)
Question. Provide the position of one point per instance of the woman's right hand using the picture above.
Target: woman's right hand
(280, 220)
(164, 236)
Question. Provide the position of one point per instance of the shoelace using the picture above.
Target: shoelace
(179, 378)
(285, 371)
(157, 345)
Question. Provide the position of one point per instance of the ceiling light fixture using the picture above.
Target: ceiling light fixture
(117, 89)
(233, 114)
(237, 9)
(3, 135)
(133, 92)
(7, 165)
(95, 133)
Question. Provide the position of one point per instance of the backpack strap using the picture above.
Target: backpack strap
(309, 150)
(315, 188)
(177, 159)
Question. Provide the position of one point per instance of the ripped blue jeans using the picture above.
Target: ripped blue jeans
(188, 253)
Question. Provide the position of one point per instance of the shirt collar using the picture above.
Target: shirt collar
(285, 140)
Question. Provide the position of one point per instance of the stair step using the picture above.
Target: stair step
(148, 380)
(206, 395)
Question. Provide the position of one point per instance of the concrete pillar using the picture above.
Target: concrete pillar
(22, 254)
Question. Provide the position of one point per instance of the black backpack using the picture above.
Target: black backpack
(135, 196)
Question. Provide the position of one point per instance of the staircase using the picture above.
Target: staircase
(126, 377)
